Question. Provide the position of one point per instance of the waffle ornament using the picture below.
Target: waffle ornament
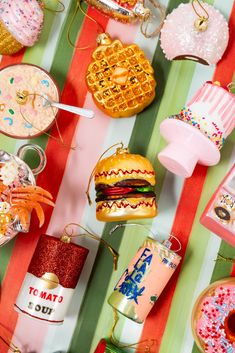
(120, 78)
(20, 24)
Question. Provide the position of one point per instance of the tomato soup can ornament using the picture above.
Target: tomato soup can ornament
(51, 278)
(144, 280)
(107, 347)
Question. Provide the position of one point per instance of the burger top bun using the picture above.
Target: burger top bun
(123, 165)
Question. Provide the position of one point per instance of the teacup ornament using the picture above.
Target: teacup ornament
(19, 194)
(120, 78)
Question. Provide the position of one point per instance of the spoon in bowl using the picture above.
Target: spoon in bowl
(69, 108)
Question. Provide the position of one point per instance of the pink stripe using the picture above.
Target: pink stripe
(196, 96)
(207, 95)
(229, 126)
(224, 106)
(214, 93)
(227, 111)
(217, 100)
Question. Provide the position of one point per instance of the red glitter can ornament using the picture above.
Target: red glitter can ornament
(52, 276)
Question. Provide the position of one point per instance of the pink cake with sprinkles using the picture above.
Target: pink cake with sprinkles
(214, 318)
(212, 111)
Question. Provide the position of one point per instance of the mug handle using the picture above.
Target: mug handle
(43, 159)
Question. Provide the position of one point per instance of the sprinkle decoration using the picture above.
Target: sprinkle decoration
(211, 131)
(210, 327)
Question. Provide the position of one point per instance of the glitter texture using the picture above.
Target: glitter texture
(213, 312)
(181, 40)
(66, 260)
(23, 19)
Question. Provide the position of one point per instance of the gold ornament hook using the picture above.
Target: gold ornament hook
(201, 24)
(93, 171)
(66, 237)
(148, 16)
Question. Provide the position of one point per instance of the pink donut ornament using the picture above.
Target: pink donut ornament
(213, 318)
(185, 35)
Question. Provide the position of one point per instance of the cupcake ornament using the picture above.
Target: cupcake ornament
(20, 24)
(195, 31)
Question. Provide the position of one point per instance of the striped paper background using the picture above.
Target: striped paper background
(181, 202)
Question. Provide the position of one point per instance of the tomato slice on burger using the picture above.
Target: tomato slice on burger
(117, 191)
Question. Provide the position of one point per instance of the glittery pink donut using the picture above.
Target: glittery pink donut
(210, 327)
(181, 40)
(23, 19)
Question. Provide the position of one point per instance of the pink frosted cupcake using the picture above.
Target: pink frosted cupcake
(20, 24)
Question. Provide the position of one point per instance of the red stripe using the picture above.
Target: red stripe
(10, 60)
(74, 93)
(155, 323)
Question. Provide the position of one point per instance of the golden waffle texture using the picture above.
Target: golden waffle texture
(120, 79)
(8, 44)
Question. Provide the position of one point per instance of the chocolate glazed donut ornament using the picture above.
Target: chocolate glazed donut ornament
(53, 274)
(124, 184)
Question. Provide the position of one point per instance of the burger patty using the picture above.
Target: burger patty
(119, 197)
(128, 188)
(123, 183)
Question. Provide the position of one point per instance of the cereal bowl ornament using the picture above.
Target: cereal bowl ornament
(22, 111)
(19, 195)
(213, 317)
(124, 184)
(20, 24)
(195, 31)
(120, 78)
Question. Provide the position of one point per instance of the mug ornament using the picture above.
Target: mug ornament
(219, 214)
(213, 317)
(124, 184)
(20, 25)
(199, 131)
(19, 195)
(195, 31)
(120, 78)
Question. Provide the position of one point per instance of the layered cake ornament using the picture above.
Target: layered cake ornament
(19, 195)
(213, 318)
(195, 31)
(124, 184)
(20, 24)
(199, 131)
(219, 214)
(144, 280)
(23, 113)
(120, 78)
(51, 278)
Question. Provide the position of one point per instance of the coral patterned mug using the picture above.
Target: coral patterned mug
(19, 194)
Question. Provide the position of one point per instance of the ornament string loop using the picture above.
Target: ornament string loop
(206, 17)
(61, 8)
(68, 235)
(93, 171)
(148, 343)
(99, 26)
(147, 19)
(22, 100)
(166, 242)
(12, 347)
(221, 258)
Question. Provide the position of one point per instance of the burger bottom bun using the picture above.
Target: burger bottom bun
(125, 209)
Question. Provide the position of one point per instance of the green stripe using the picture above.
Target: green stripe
(98, 309)
(194, 257)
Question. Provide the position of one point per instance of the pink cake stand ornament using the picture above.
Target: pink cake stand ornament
(198, 132)
(195, 31)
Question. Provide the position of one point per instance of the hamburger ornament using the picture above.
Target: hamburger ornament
(120, 78)
(124, 185)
